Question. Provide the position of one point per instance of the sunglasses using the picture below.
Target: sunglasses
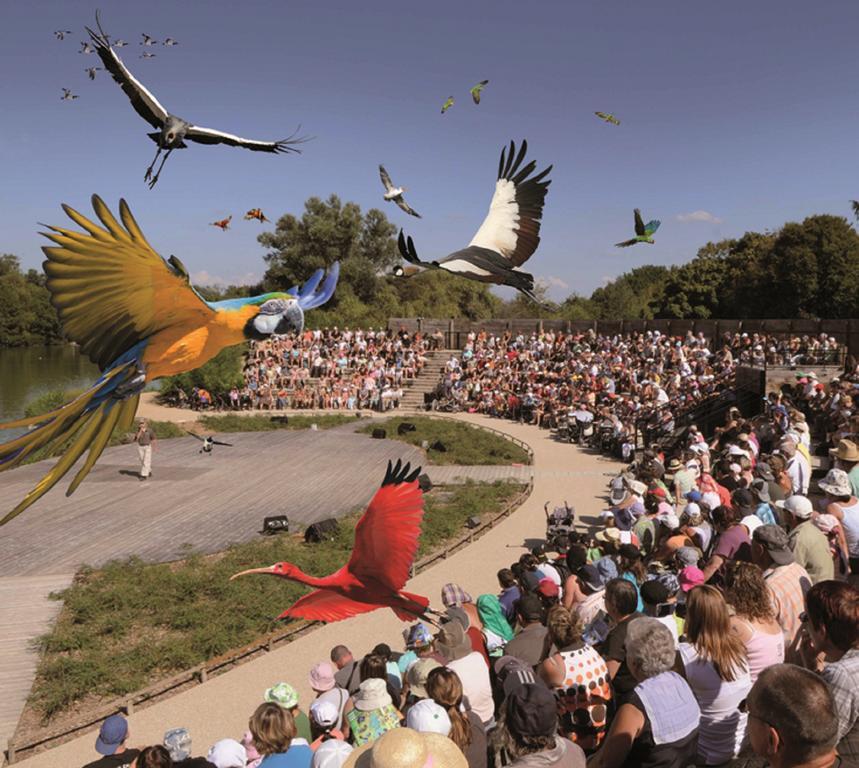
(743, 707)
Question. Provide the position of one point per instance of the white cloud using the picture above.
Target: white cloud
(204, 277)
(550, 281)
(704, 216)
(606, 279)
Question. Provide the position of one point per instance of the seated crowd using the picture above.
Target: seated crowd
(712, 620)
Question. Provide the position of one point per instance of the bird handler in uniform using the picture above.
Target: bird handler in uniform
(145, 439)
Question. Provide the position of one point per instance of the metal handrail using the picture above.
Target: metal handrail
(201, 672)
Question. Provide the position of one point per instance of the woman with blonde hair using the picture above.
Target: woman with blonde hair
(717, 670)
(273, 729)
(579, 677)
(754, 618)
(466, 729)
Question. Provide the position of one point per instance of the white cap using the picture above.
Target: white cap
(751, 522)
(711, 499)
(227, 753)
(798, 506)
(692, 509)
(669, 520)
(331, 754)
(428, 717)
(735, 450)
(324, 713)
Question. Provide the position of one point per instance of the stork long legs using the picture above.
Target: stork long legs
(148, 175)
(154, 178)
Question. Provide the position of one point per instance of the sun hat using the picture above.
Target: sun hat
(590, 577)
(607, 568)
(372, 694)
(690, 577)
(455, 613)
(638, 488)
(331, 754)
(452, 642)
(674, 465)
(417, 674)
(798, 506)
(688, 555)
(847, 450)
(283, 694)
(425, 716)
(227, 753)
(454, 595)
(826, 523)
(670, 581)
(836, 483)
(612, 533)
(751, 523)
(111, 735)
(324, 713)
(322, 677)
(406, 748)
(418, 636)
(177, 741)
(531, 711)
(764, 471)
(775, 541)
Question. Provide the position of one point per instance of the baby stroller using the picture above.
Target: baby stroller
(559, 521)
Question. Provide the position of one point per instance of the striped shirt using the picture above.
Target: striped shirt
(788, 585)
(843, 679)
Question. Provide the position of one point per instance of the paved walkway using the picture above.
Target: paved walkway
(221, 706)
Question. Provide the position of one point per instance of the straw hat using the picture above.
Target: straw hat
(405, 748)
(847, 450)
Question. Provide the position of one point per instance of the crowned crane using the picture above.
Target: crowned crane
(68, 95)
(91, 71)
(510, 233)
(172, 131)
(136, 316)
(60, 34)
(395, 194)
(386, 541)
(643, 232)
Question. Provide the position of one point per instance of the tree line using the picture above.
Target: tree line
(807, 269)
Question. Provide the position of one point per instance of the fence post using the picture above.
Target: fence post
(129, 706)
(10, 752)
(204, 675)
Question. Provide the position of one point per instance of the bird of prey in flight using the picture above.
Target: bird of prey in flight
(475, 92)
(609, 118)
(395, 194)
(643, 232)
(171, 132)
(67, 95)
(509, 235)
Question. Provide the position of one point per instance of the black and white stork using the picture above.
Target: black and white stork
(509, 235)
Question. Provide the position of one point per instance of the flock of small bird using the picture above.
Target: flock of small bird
(88, 49)
(507, 238)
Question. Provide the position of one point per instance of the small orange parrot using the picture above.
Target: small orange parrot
(224, 224)
(256, 213)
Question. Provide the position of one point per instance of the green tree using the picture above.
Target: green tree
(630, 295)
(218, 375)
(26, 313)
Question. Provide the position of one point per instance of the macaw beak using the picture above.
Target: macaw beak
(269, 570)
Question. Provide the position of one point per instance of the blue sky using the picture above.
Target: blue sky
(743, 110)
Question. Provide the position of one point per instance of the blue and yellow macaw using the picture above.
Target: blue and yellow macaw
(138, 318)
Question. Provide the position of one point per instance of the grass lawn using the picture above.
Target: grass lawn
(234, 422)
(126, 625)
(465, 444)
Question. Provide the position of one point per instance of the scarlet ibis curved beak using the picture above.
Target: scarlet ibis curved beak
(269, 570)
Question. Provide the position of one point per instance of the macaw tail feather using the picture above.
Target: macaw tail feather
(87, 422)
(414, 608)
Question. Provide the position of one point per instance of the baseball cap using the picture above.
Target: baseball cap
(532, 711)
(227, 753)
(331, 754)
(798, 506)
(417, 675)
(548, 588)
(111, 735)
(775, 541)
(751, 522)
(669, 520)
(324, 713)
(428, 717)
(590, 577)
(688, 555)
(178, 743)
(694, 496)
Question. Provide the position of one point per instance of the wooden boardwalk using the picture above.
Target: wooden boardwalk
(193, 503)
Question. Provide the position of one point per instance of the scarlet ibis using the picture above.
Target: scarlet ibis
(256, 213)
(386, 540)
(224, 224)
(510, 233)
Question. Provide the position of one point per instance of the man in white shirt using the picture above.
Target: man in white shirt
(798, 469)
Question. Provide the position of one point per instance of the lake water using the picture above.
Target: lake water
(27, 372)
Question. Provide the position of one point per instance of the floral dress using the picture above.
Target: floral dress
(367, 726)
